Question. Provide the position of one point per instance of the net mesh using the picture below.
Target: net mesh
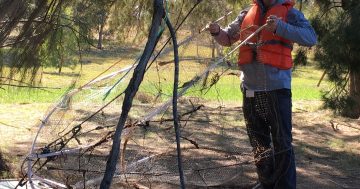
(75, 137)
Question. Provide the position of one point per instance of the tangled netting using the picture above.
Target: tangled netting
(74, 139)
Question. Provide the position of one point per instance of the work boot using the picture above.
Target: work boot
(265, 171)
(257, 186)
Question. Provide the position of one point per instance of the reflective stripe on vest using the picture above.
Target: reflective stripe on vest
(266, 47)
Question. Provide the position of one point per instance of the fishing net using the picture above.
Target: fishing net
(74, 139)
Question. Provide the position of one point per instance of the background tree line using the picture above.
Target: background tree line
(55, 33)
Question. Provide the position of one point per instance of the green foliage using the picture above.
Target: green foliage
(25, 28)
(301, 57)
(47, 33)
(338, 50)
(59, 49)
(210, 10)
(342, 105)
(130, 19)
(91, 16)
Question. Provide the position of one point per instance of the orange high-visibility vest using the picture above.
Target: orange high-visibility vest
(266, 47)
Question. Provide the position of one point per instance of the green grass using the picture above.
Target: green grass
(304, 82)
(26, 96)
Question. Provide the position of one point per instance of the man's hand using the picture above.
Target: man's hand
(272, 22)
(214, 28)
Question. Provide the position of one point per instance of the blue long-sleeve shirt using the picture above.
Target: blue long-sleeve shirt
(261, 77)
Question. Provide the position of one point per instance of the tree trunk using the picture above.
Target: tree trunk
(100, 39)
(131, 91)
(355, 94)
(61, 63)
(213, 49)
(197, 49)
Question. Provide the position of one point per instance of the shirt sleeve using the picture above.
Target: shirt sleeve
(231, 33)
(297, 29)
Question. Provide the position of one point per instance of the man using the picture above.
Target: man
(266, 83)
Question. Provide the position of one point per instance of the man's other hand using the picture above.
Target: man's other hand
(272, 22)
(214, 28)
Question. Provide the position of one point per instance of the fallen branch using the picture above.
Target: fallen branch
(26, 86)
(13, 126)
(335, 127)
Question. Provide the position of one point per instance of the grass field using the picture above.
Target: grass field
(157, 80)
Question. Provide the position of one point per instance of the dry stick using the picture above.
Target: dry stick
(216, 21)
(13, 126)
(180, 116)
(175, 97)
(335, 127)
(322, 77)
(131, 91)
(31, 87)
